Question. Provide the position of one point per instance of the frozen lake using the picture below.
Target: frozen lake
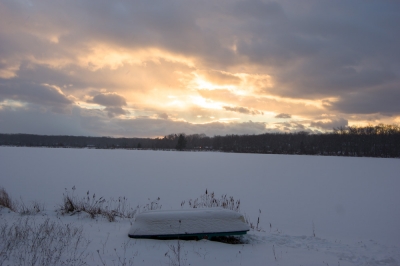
(345, 198)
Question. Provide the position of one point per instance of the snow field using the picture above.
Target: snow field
(350, 204)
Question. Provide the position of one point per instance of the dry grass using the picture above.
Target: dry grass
(111, 209)
(34, 208)
(19, 206)
(176, 255)
(26, 242)
(6, 201)
(209, 200)
(152, 205)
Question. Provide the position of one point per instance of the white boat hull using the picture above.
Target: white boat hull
(196, 223)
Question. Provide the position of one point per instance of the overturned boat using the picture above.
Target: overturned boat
(188, 224)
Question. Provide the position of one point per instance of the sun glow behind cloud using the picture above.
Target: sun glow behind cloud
(204, 103)
(175, 66)
(104, 56)
(200, 83)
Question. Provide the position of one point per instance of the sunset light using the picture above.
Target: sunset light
(265, 62)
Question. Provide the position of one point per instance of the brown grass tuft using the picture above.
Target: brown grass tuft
(5, 200)
(111, 209)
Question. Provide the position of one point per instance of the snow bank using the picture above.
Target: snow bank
(183, 222)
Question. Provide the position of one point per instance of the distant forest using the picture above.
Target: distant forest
(369, 141)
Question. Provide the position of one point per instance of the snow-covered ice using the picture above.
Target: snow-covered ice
(314, 210)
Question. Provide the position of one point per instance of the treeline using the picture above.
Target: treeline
(196, 141)
(370, 141)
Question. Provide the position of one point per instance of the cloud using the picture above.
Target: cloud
(95, 123)
(163, 116)
(263, 102)
(250, 55)
(329, 124)
(383, 100)
(32, 120)
(291, 126)
(242, 110)
(314, 54)
(219, 95)
(258, 10)
(115, 111)
(220, 77)
(282, 115)
(109, 100)
(161, 127)
(113, 103)
(30, 92)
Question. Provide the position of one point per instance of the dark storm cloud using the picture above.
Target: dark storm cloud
(282, 115)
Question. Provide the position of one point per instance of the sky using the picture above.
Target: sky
(134, 68)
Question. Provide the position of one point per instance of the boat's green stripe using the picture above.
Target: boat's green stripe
(198, 235)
